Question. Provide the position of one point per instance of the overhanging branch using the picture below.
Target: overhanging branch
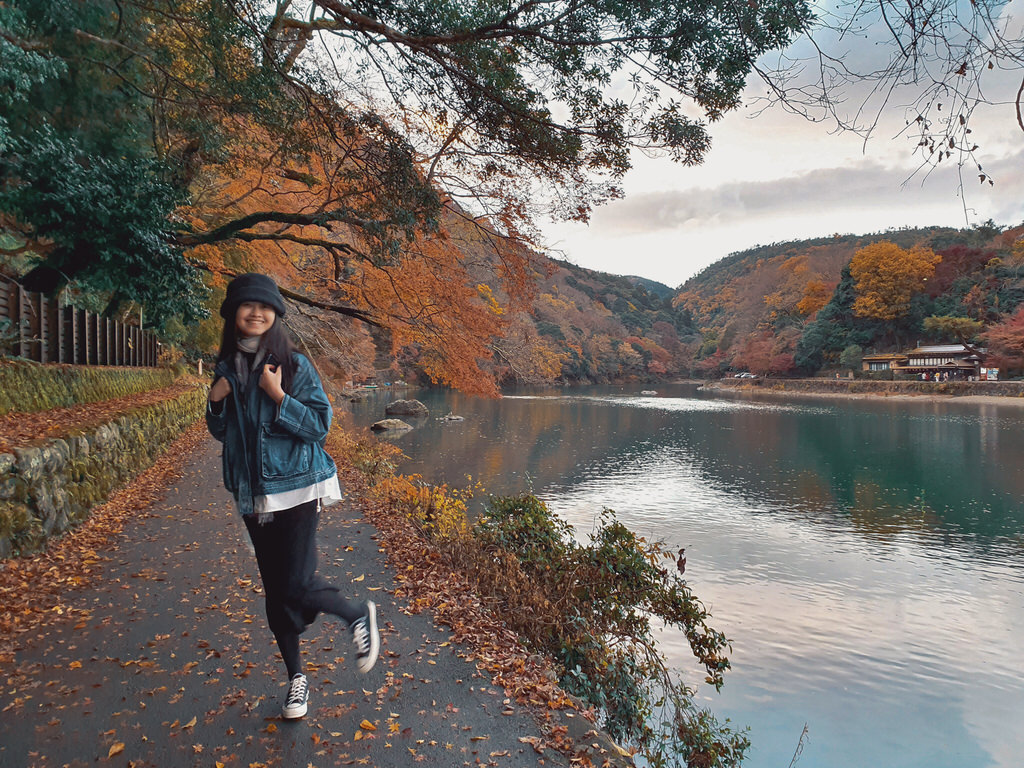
(303, 299)
(232, 228)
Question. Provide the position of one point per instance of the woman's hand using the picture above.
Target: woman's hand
(270, 382)
(221, 388)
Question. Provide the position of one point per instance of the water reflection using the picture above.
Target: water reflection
(882, 466)
(866, 557)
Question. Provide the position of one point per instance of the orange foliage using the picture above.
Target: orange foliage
(816, 295)
(430, 304)
(443, 316)
(887, 276)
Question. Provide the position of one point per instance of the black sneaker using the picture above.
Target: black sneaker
(367, 638)
(298, 697)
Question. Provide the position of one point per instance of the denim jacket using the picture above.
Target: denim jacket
(270, 448)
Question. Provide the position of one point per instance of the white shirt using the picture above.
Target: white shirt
(328, 491)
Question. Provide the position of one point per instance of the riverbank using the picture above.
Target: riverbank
(1002, 392)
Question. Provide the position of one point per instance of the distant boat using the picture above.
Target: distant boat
(648, 392)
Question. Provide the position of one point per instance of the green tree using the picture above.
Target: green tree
(21, 68)
(104, 223)
(962, 329)
(851, 357)
(835, 327)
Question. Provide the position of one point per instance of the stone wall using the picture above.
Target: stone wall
(49, 488)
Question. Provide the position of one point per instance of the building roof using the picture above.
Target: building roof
(939, 349)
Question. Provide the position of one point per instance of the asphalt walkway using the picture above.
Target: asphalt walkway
(175, 665)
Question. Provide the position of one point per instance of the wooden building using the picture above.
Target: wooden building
(956, 360)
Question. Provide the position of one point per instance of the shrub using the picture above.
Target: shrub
(590, 607)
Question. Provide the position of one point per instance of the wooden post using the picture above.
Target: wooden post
(83, 335)
(42, 316)
(71, 334)
(22, 321)
(5, 311)
(66, 338)
(102, 324)
(54, 331)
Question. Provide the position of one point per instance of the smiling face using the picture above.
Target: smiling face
(254, 318)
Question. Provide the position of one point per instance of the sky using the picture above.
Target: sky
(773, 176)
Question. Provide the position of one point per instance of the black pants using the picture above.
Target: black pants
(295, 594)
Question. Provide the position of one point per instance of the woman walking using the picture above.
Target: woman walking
(268, 407)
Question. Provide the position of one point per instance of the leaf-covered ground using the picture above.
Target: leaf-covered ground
(140, 640)
(20, 429)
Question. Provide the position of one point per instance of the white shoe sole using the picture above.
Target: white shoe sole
(295, 712)
(364, 665)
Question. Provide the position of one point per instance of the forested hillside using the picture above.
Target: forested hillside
(796, 307)
(603, 327)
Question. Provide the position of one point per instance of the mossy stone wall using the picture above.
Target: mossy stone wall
(49, 488)
(27, 387)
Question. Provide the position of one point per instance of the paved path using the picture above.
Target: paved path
(175, 665)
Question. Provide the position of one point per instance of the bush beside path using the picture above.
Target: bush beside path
(152, 650)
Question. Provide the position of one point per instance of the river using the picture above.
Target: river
(866, 557)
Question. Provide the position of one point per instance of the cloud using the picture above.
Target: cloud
(863, 187)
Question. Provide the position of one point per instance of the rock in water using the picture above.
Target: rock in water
(389, 424)
(406, 408)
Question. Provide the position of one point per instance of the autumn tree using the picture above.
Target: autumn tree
(887, 276)
(1008, 335)
(1007, 338)
(418, 97)
(816, 295)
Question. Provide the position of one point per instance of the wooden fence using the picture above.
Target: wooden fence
(39, 329)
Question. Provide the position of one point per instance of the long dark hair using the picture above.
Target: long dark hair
(275, 341)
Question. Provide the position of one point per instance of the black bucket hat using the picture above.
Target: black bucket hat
(251, 286)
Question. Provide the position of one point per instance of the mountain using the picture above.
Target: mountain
(652, 286)
(788, 307)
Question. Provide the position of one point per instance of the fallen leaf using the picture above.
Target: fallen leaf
(116, 749)
(366, 725)
(190, 723)
(360, 577)
(534, 742)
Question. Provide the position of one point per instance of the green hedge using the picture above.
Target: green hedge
(26, 387)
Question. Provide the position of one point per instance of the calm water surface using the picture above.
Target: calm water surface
(865, 557)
